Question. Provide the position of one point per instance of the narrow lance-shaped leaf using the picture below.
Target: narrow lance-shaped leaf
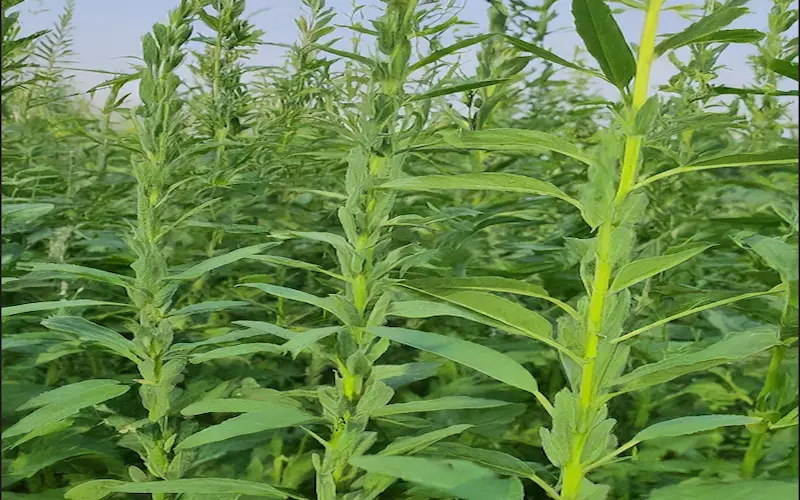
(87, 331)
(694, 310)
(436, 55)
(248, 423)
(53, 305)
(440, 404)
(236, 350)
(514, 140)
(604, 40)
(457, 478)
(784, 68)
(78, 272)
(485, 360)
(489, 181)
(63, 407)
(208, 307)
(702, 28)
(735, 346)
(549, 56)
(454, 89)
(780, 156)
(221, 260)
(187, 486)
(414, 444)
(640, 270)
(491, 284)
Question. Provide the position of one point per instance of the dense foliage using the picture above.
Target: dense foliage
(413, 262)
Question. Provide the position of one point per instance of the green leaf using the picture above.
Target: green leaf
(436, 55)
(79, 272)
(549, 56)
(337, 308)
(725, 90)
(200, 269)
(64, 404)
(414, 444)
(515, 140)
(788, 420)
(64, 393)
(640, 270)
(453, 89)
(483, 359)
(248, 423)
(302, 340)
(457, 478)
(784, 68)
(205, 485)
(236, 350)
(489, 181)
(299, 264)
(694, 310)
(732, 36)
(734, 347)
(506, 315)
(55, 304)
(229, 406)
(702, 28)
(691, 425)
(739, 490)
(604, 40)
(93, 490)
(491, 459)
(208, 307)
(491, 284)
(780, 156)
(346, 55)
(440, 404)
(86, 331)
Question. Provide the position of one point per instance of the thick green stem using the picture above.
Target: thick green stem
(572, 472)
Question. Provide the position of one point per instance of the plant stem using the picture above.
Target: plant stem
(573, 473)
(759, 434)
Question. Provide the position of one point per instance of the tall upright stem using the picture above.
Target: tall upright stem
(573, 473)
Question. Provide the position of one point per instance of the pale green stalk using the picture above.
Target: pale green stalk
(572, 472)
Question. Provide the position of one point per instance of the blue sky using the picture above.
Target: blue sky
(108, 30)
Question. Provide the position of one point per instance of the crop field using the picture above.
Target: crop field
(418, 259)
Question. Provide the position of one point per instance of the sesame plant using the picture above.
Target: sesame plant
(417, 258)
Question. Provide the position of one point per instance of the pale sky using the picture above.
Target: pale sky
(105, 31)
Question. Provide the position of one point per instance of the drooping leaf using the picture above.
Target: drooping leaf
(731, 36)
(485, 360)
(86, 331)
(307, 338)
(229, 406)
(337, 308)
(640, 270)
(491, 459)
(604, 40)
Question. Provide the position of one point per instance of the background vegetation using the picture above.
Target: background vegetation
(383, 271)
